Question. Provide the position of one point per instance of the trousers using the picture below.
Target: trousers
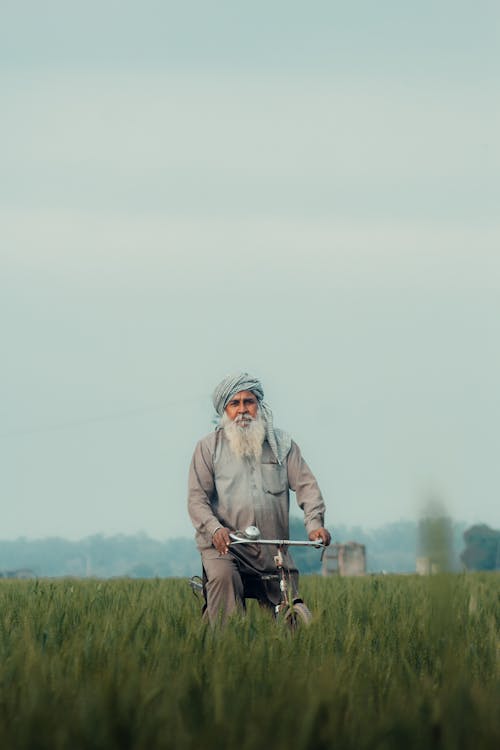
(230, 580)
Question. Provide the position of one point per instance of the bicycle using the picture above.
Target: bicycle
(291, 609)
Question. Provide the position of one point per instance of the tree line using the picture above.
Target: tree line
(392, 548)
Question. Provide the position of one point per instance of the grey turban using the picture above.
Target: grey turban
(279, 441)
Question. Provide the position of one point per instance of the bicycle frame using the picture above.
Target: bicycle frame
(291, 609)
(281, 545)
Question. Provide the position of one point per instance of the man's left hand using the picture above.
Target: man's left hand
(320, 535)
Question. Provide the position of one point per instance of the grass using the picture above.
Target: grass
(388, 662)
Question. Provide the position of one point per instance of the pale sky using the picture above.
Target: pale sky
(309, 192)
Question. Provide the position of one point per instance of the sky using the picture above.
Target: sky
(308, 192)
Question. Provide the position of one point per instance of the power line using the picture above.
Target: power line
(102, 418)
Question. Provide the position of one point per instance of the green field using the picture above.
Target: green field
(388, 662)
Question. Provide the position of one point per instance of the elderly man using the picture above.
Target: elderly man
(240, 476)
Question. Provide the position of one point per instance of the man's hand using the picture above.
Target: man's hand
(320, 535)
(221, 540)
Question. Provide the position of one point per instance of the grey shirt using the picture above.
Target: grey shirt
(225, 490)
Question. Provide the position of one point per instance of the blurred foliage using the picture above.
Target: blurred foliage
(436, 542)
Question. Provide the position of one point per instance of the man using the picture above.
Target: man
(240, 476)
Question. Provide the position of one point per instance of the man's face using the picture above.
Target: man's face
(242, 404)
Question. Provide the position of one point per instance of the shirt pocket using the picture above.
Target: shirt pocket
(274, 479)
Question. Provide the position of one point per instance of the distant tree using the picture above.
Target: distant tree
(141, 571)
(482, 548)
(307, 559)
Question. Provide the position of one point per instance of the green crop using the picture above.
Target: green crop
(389, 662)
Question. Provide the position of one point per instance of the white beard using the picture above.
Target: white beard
(245, 440)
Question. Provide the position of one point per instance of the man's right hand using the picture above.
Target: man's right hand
(221, 540)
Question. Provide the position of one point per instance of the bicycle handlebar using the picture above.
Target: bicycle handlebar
(276, 542)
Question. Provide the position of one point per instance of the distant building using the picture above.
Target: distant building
(347, 559)
(426, 566)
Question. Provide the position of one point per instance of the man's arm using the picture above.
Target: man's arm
(303, 482)
(201, 490)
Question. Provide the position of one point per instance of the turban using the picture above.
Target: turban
(279, 441)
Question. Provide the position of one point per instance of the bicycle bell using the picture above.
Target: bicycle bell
(252, 532)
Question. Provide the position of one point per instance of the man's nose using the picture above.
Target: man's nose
(241, 408)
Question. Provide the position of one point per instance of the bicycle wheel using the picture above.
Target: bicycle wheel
(296, 615)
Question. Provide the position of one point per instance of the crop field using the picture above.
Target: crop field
(388, 662)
